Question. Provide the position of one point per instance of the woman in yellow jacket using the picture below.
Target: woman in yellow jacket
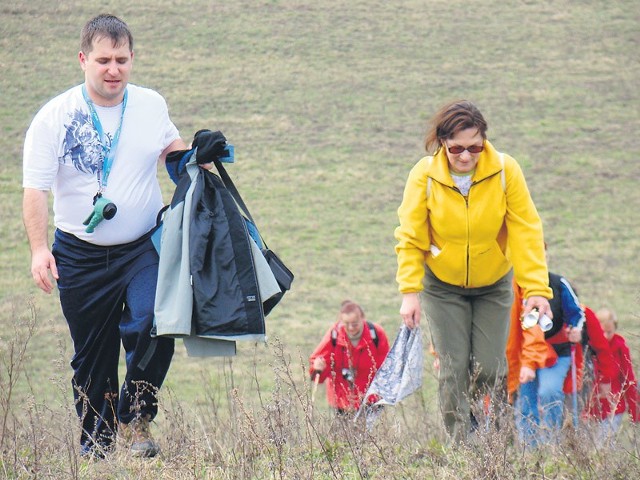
(466, 220)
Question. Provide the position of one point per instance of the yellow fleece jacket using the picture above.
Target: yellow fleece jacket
(474, 241)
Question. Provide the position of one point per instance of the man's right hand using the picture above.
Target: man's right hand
(35, 214)
(43, 262)
(319, 364)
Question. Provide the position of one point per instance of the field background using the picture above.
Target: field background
(327, 103)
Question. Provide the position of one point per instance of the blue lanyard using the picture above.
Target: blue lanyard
(108, 152)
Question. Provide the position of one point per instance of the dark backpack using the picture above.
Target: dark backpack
(372, 331)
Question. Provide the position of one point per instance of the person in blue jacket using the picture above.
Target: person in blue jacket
(540, 401)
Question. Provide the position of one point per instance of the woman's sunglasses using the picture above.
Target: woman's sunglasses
(457, 149)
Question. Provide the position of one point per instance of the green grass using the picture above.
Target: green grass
(327, 103)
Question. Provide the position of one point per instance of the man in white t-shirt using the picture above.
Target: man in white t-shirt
(97, 148)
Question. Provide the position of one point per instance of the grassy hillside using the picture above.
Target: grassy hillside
(326, 103)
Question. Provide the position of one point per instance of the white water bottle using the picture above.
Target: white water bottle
(545, 323)
(530, 319)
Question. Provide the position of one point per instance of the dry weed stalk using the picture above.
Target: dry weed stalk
(12, 356)
(275, 431)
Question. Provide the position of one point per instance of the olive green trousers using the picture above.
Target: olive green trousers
(469, 329)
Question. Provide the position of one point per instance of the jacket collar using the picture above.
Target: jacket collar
(488, 165)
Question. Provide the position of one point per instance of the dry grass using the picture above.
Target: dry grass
(282, 433)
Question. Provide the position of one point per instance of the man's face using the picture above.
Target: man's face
(353, 324)
(106, 70)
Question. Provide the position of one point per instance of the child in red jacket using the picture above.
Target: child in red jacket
(595, 364)
(348, 357)
(624, 390)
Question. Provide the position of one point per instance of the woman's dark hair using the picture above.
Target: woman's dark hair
(451, 119)
(105, 25)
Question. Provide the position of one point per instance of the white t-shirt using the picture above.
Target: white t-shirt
(62, 152)
(463, 181)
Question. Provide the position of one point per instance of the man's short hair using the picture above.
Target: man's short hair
(105, 25)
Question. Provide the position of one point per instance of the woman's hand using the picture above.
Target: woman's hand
(410, 310)
(541, 303)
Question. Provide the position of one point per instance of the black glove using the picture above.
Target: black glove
(211, 146)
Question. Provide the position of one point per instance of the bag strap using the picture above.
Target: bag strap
(160, 214)
(226, 179)
(228, 183)
(374, 334)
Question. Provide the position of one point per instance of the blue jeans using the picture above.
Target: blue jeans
(107, 296)
(539, 408)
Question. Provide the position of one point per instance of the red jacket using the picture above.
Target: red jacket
(624, 388)
(604, 368)
(363, 360)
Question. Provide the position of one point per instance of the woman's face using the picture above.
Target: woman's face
(465, 161)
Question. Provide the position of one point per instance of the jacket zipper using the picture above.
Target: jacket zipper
(466, 202)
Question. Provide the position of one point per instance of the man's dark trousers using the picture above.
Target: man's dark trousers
(107, 296)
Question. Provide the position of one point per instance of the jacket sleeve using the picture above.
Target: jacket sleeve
(571, 308)
(629, 384)
(413, 232)
(525, 348)
(534, 348)
(606, 367)
(524, 234)
(514, 343)
(175, 163)
(324, 350)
